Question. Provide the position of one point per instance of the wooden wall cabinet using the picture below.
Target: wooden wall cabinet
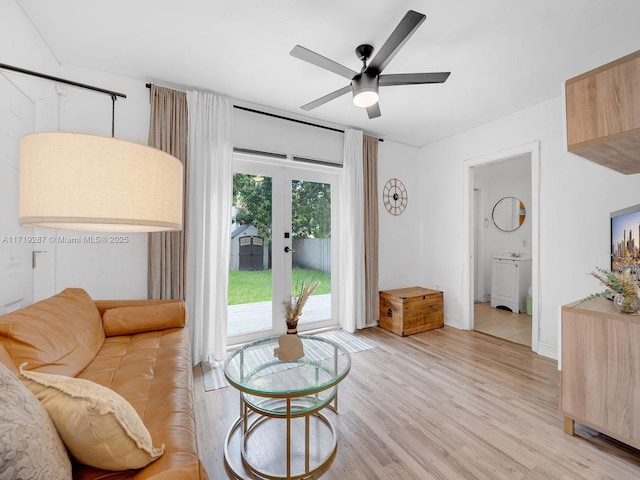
(603, 114)
(600, 385)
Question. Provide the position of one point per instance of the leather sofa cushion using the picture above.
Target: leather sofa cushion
(60, 334)
(153, 372)
(131, 320)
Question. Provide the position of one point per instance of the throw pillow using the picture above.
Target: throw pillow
(99, 427)
(30, 447)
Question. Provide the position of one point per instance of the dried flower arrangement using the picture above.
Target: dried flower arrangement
(623, 283)
(293, 306)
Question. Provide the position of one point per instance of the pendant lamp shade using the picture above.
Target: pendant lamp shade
(86, 182)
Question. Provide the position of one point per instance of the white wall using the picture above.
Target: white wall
(21, 46)
(254, 131)
(576, 197)
(400, 235)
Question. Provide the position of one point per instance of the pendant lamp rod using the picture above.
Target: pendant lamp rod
(111, 93)
(134, 188)
(113, 115)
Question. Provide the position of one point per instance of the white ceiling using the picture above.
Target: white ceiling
(504, 55)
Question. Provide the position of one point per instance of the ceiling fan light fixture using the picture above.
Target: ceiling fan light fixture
(364, 85)
(365, 90)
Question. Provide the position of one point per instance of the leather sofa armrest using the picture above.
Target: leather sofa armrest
(138, 316)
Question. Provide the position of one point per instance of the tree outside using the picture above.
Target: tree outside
(252, 198)
(311, 203)
(311, 212)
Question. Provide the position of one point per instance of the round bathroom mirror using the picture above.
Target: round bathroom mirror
(508, 214)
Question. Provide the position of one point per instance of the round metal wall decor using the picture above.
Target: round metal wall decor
(394, 196)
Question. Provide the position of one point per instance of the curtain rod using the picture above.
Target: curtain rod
(111, 93)
(282, 117)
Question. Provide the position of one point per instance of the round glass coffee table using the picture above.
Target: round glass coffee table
(294, 392)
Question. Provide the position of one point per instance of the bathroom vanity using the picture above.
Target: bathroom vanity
(510, 281)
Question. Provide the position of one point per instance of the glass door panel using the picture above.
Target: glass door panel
(311, 244)
(250, 265)
(281, 236)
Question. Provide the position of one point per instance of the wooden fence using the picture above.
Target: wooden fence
(312, 253)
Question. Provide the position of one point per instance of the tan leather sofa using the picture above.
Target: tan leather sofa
(138, 348)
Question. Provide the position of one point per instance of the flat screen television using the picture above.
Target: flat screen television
(625, 240)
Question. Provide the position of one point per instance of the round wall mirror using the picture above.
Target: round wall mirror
(508, 214)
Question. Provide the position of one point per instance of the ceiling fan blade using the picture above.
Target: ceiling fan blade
(396, 40)
(322, 62)
(412, 78)
(374, 110)
(326, 98)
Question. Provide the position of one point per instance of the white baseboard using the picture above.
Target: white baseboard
(454, 321)
(548, 350)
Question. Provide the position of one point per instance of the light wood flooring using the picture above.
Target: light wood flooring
(515, 327)
(444, 404)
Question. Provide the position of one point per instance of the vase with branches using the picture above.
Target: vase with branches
(294, 305)
(290, 347)
(624, 286)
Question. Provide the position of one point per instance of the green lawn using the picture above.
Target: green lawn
(250, 287)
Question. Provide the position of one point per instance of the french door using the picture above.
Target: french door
(282, 234)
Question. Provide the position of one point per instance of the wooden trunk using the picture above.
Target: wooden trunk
(406, 311)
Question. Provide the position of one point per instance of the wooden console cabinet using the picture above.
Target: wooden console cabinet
(600, 385)
(603, 118)
(406, 311)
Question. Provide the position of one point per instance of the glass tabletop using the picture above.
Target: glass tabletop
(254, 369)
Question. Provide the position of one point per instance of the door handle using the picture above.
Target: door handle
(287, 250)
(34, 254)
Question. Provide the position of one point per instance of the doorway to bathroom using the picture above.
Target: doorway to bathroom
(502, 212)
(502, 247)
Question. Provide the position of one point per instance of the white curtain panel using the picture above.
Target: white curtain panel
(352, 297)
(209, 223)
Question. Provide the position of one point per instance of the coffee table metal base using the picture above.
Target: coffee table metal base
(253, 417)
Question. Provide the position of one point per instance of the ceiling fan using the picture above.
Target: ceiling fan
(364, 85)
